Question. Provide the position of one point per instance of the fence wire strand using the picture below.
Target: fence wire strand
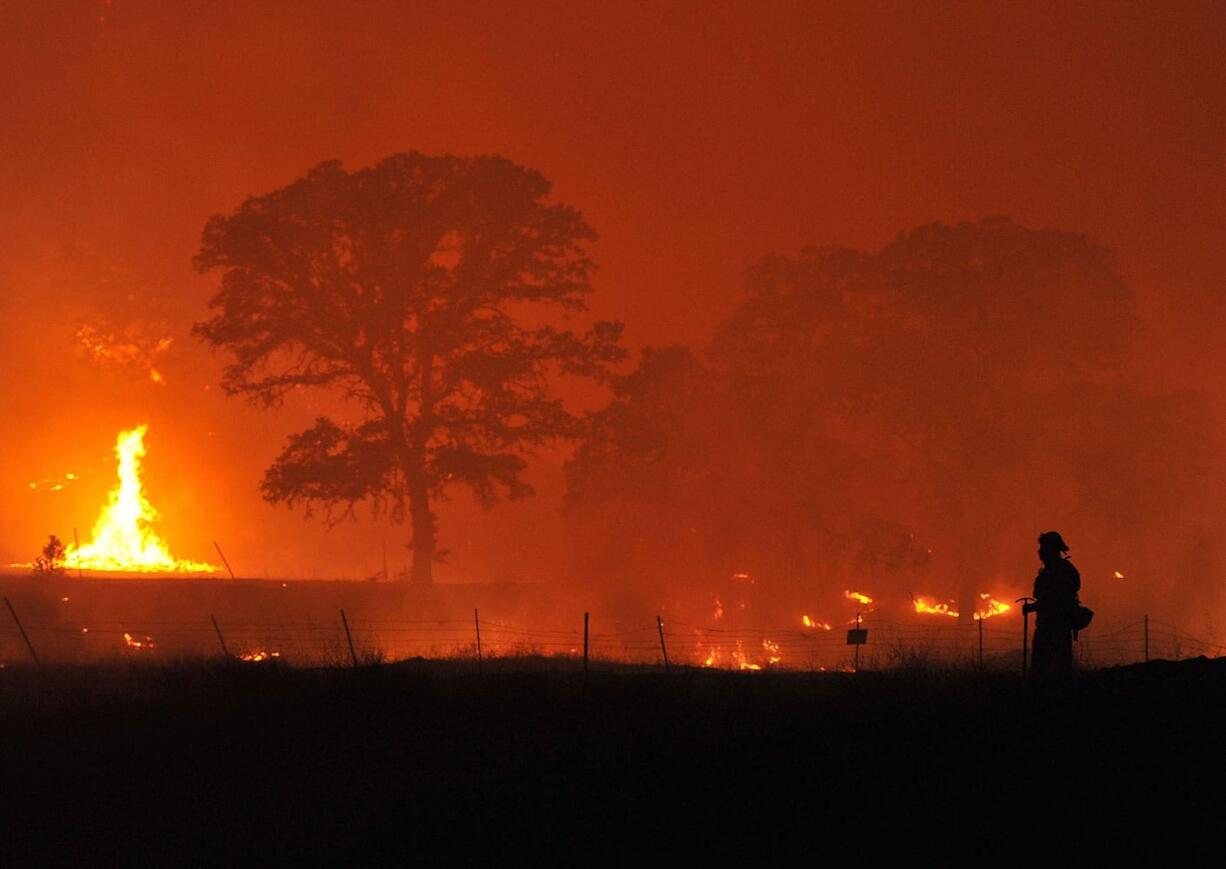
(892, 643)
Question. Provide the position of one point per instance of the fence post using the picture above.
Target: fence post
(1147, 638)
(477, 622)
(77, 541)
(585, 635)
(663, 648)
(24, 636)
(353, 656)
(224, 651)
(1025, 631)
(229, 569)
(857, 664)
(980, 621)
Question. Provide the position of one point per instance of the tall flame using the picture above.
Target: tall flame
(122, 540)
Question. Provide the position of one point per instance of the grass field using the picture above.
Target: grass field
(208, 764)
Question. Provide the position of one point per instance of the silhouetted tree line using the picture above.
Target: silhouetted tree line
(911, 411)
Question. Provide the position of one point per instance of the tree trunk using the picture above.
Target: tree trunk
(423, 543)
(424, 528)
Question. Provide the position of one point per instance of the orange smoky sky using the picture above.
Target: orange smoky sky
(695, 137)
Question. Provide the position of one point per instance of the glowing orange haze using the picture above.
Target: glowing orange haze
(694, 143)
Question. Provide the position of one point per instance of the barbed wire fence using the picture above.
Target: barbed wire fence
(990, 644)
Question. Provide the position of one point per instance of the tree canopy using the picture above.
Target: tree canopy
(409, 288)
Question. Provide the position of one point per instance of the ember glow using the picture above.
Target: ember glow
(1119, 575)
(773, 655)
(122, 540)
(133, 350)
(53, 485)
(138, 642)
(858, 597)
(811, 623)
(257, 655)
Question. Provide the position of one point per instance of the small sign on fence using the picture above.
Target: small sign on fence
(857, 637)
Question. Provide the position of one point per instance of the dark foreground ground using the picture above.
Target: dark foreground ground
(422, 762)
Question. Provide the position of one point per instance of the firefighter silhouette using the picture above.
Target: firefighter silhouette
(1055, 606)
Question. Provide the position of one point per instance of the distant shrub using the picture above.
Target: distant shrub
(51, 557)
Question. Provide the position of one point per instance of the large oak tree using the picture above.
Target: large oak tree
(411, 288)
